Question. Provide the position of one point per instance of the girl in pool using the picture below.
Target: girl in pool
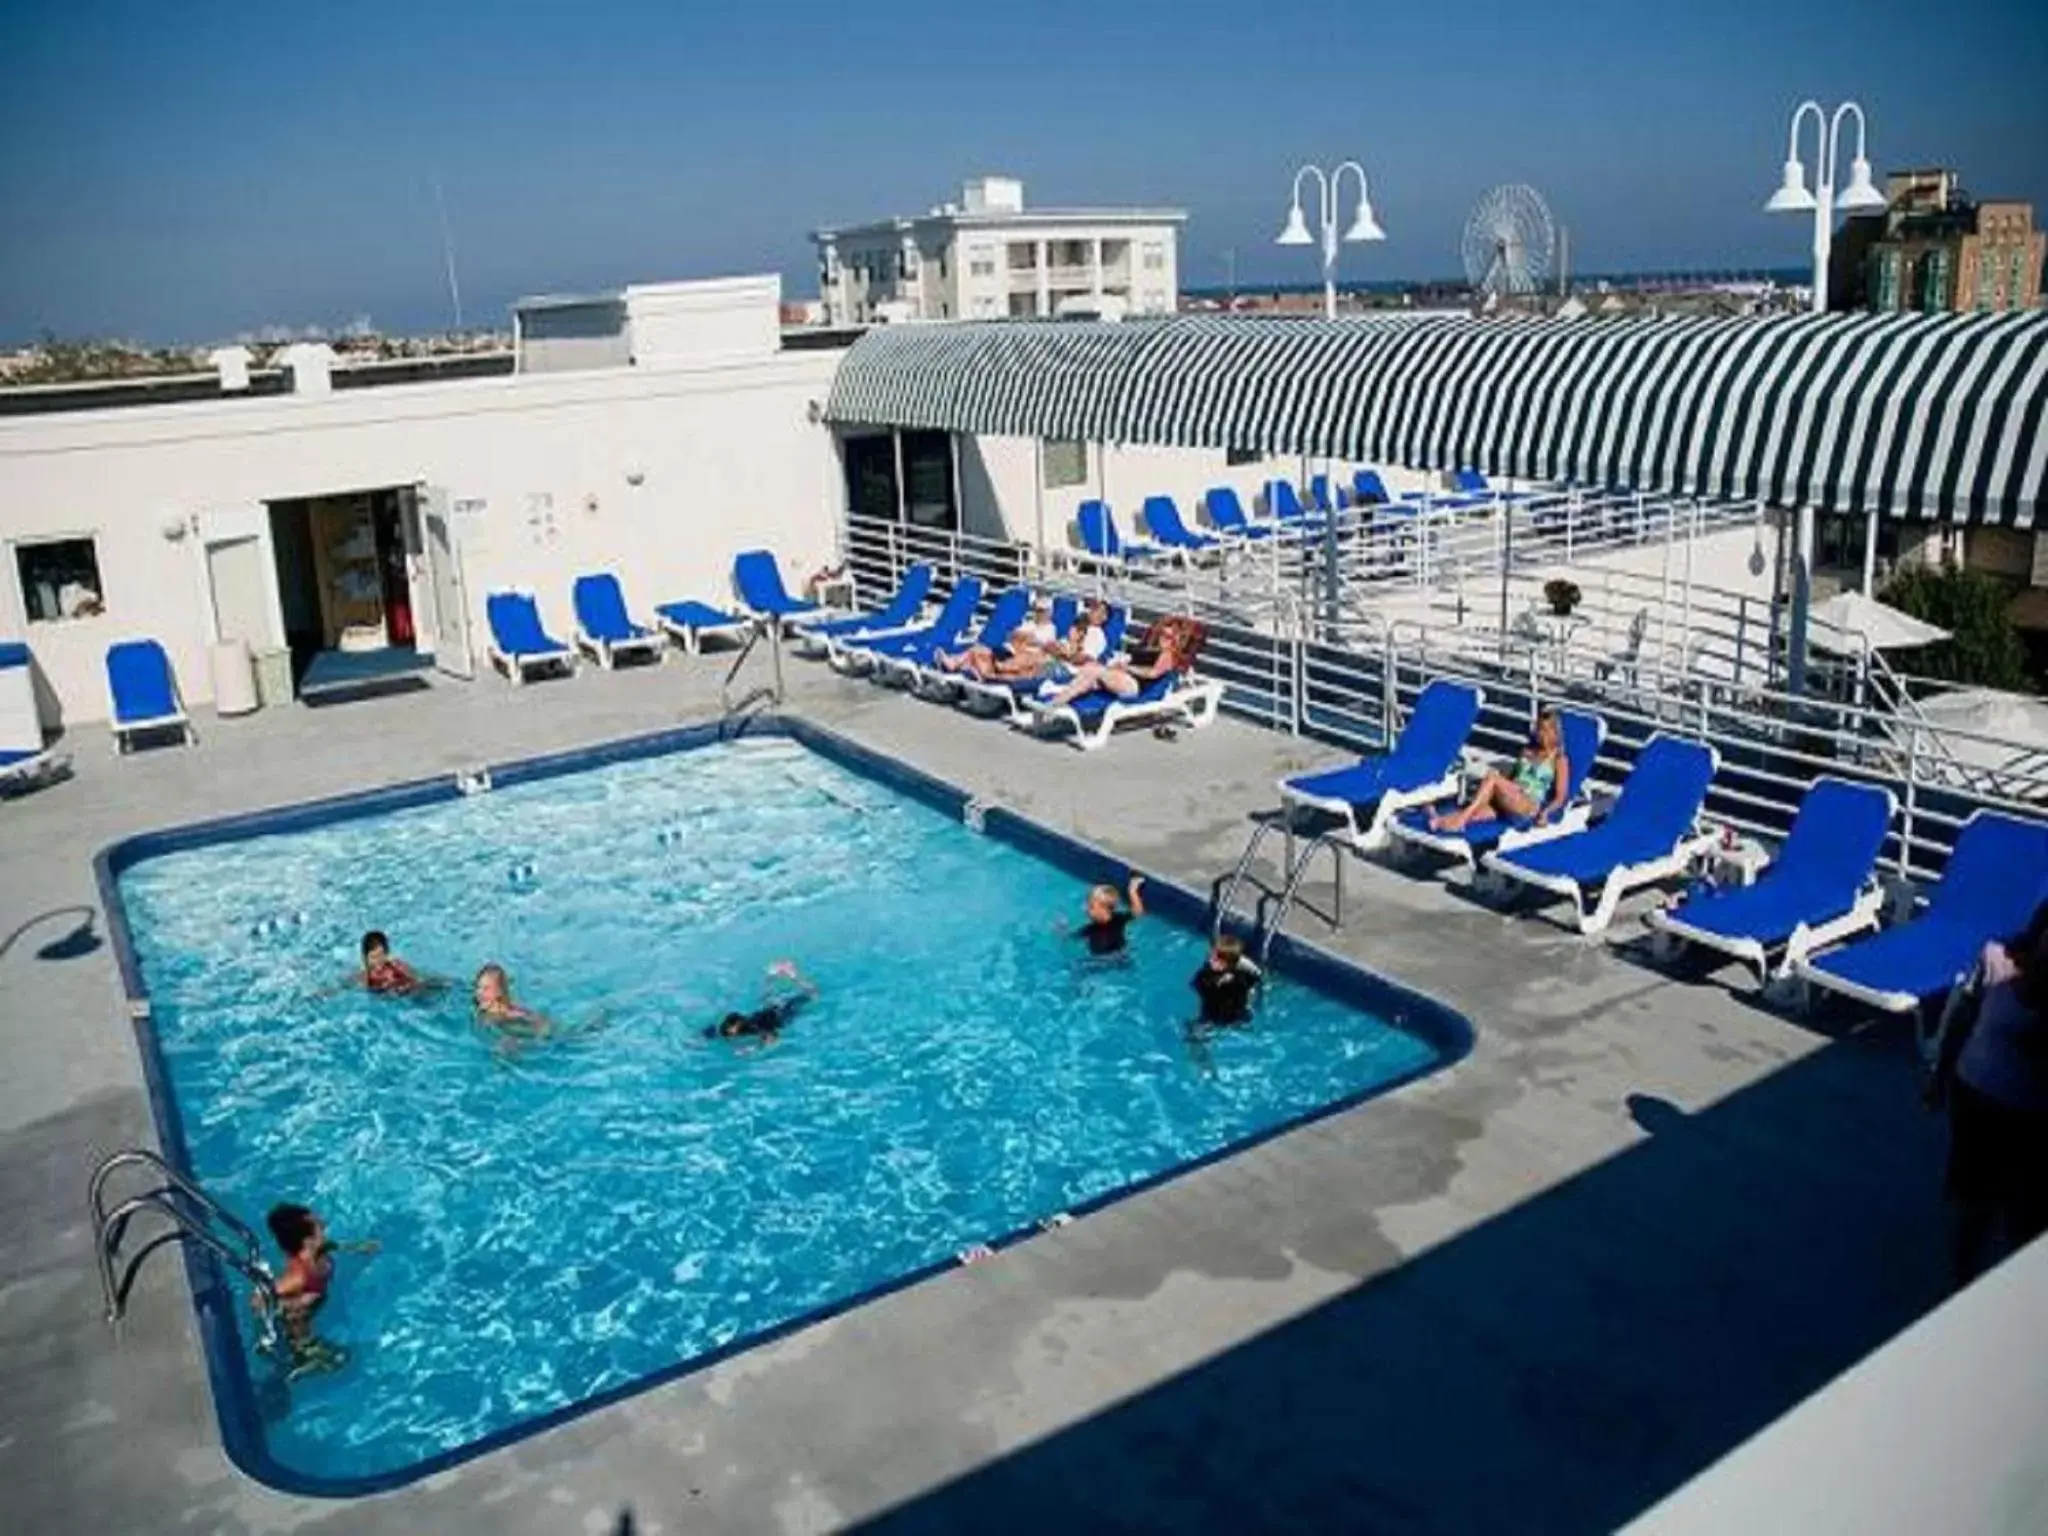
(1539, 783)
(514, 1021)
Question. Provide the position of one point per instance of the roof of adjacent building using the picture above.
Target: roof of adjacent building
(1004, 217)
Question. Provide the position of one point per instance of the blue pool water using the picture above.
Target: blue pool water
(560, 1222)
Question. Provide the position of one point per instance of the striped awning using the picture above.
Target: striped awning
(1909, 415)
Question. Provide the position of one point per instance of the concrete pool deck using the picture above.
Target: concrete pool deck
(1535, 1291)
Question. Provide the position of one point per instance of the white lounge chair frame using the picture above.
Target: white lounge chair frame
(1620, 882)
(691, 636)
(123, 729)
(45, 767)
(1804, 941)
(514, 667)
(1195, 702)
(1572, 819)
(607, 652)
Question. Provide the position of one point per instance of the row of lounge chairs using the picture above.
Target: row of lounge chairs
(901, 645)
(1289, 513)
(1811, 913)
(899, 642)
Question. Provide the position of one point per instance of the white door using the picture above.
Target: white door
(452, 652)
(238, 576)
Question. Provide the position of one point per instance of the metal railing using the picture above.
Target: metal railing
(191, 1216)
(1698, 662)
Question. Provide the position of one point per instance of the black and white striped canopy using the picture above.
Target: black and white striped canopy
(1909, 415)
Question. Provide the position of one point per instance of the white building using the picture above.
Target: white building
(989, 257)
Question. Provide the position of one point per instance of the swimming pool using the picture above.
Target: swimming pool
(571, 1222)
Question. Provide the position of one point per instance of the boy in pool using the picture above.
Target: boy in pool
(302, 1288)
(784, 994)
(1225, 984)
(1103, 932)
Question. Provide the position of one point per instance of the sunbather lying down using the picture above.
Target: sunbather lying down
(1035, 648)
(1168, 648)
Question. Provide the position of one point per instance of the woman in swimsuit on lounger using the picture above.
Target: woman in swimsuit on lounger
(1540, 782)
(1169, 648)
(1024, 653)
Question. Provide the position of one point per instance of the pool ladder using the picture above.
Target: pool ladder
(1275, 901)
(738, 710)
(194, 1216)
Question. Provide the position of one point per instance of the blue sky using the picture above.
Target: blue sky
(192, 170)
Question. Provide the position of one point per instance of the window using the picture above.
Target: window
(60, 579)
(1155, 258)
(1066, 463)
(981, 268)
(1236, 456)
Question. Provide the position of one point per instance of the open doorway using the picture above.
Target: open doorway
(346, 591)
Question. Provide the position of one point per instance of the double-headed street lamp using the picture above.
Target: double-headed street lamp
(1363, 227)
(1822, 202)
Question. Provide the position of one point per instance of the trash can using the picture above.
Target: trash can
(274, 676)
(234, 679)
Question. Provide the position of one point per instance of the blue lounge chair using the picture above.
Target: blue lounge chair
(1368, 489)
(900, 612)
(1820, 889)
(1421, 767)
(1652, 833)
(1325, 496)
(1227, 515)
(1095, 526)
(921, 666)
(689, 623)
(25, 762)
(1996, 875)
(519, 642)
(757, 582)
(1162, 519)
(1283, 503)
(942, 634)
(1470, 488)
(1581, 736)
(603, 627)
(142, 693)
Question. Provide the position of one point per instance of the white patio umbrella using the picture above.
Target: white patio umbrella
(2017, 722)
(1848, 621)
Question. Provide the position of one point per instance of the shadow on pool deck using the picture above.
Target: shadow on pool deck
(1558, 1368)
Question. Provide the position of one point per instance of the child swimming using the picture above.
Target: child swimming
(1103, 932)
(302, 1288)
(1225, 984)
(779, 1005)
(384, 972)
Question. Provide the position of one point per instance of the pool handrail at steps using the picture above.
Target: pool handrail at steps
(754, 698)
(194, 1216)
(1274, 902)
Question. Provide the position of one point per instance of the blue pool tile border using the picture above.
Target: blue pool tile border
(236, 1405)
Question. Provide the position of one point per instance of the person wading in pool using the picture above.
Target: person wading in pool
(302, 1288)
(785, 991)
(1103, 931)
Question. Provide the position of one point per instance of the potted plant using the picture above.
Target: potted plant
(1563, 596)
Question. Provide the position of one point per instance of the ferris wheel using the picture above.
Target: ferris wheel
(1510, 242)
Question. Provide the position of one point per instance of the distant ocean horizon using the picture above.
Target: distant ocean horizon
(1784, 276)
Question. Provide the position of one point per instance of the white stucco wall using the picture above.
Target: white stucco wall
(727, 453)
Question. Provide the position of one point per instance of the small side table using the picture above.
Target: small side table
(836, 593)
(1739, 862)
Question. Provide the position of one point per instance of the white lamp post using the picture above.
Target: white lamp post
(1363, 227)
(1792, 197)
